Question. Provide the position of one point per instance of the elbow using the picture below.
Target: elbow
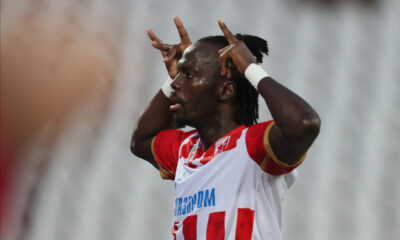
(304, 127)
(135, 144)
(133, 147)
(311, 125)
(136, 141)
(139, 145)
(137, 148)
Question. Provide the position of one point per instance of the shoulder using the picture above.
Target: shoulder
(258, 133)
(170, 140)
(258, 128)
(260, 150)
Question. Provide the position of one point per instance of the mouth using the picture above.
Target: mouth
(176, 102)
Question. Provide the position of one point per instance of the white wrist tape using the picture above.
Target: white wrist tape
(166, 87)
(254, 73)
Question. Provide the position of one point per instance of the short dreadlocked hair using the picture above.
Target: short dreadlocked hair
(246, 100)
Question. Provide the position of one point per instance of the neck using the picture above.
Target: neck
(212, 129)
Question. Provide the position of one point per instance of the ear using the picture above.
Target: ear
(226, 90)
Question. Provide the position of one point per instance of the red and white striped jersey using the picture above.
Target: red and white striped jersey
(233, 190)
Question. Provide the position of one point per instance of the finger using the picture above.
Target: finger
(171, 54)
(152, 36)
(164, 53)
(229, 36)
(223, 61)
(157, 43)
(229, 73)
(225, 49)
(223, 55)
(182, 31)
(160, 46)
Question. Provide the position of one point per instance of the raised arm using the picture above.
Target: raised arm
(296, 122)
(157, 115)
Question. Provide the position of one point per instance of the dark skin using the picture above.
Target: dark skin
(204, 100)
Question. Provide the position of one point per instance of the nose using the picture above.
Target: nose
(175, 84)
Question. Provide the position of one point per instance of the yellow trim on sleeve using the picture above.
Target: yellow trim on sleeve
(271, 153)
(264, 163)
(165, 174)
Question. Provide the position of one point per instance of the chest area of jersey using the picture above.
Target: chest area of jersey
(193, 154)
(217, 181)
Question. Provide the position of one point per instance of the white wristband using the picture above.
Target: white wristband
(166, 87)
(254, 73)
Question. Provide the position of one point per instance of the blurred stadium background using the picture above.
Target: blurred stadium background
(76, 74)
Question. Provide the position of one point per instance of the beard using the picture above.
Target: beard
(179, 122)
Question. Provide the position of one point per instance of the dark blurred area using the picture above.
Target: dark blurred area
(51, 65)
(47, 71)
(338, 2)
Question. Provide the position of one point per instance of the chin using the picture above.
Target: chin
(179, 122)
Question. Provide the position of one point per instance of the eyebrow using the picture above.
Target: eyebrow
(186, 67)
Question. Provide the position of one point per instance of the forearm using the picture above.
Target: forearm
(154, 119)
(296, 123)
(294, 116)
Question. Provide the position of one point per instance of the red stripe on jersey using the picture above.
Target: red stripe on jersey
(188, 152)
(190, 227)
(208, 155)
(190, 164)
(244, 224)
(216, 226)
(185, 150)
(199, 153)
(175, 229)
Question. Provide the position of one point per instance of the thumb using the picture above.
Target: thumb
(170, 55)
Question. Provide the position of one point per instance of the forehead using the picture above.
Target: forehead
(199, 56)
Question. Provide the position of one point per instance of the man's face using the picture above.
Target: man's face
(195, 86)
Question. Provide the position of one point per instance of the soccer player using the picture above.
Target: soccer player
(231, 173)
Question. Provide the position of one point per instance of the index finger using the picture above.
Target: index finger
(152, 36)
(182, 31)
(229, 36)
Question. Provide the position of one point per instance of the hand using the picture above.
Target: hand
(237, 51)
(172, 53)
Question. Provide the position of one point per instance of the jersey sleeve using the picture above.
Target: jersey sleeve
(259, 149)
(165, 148)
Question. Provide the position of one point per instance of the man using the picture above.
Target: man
(230, 173)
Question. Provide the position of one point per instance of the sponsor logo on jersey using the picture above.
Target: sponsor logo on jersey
(221, 145)
(201, 199)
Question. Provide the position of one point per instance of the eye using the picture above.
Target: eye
(188, 74)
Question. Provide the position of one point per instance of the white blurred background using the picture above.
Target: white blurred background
(76, 74)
